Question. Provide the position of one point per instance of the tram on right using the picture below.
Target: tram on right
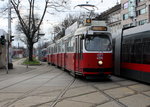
(132, 53)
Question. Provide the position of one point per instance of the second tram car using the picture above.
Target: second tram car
(43, 55)
(132, 53)
(84, 50)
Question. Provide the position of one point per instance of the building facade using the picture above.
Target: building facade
(135, 12)
(127, 13)
(112, 17)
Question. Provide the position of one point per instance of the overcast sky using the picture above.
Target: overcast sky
(51, 20)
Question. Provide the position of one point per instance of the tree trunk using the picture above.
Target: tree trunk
(30, 52)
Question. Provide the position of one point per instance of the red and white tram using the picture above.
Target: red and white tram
(84, 50)
(43, 55)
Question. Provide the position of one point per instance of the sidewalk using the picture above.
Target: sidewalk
(17, 68)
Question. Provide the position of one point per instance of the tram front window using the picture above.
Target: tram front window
(97, 43)
(44, 53)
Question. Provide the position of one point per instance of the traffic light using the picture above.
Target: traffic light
(2, 40)
(11, 38)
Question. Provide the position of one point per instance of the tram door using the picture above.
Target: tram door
(78, 51)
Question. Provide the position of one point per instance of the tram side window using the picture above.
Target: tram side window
(67, 46)
(146, 51)
(137, 53)
(63, 47)
(81, 45)
(132, 53)
(126, 49)
(70, 45)
(48, 52)
(59, 48)
(55, 49)
(51, 50)
(125, 52)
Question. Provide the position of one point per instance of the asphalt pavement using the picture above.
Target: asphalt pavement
(48, 86)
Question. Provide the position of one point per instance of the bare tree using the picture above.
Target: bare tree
(69, 20)
(59, 30)
(29, 25)
(23, 38)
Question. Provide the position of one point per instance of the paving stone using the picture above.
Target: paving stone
(46, 93)
(94, 98)
(35, 81)
(59, 82)
(138, 100)
(45, 105)
(3, 103)
(9, 96)
(109, 104)
(78, 83)
(119, 92)
(115, 78)
(147, 93)
(140, 87)
(105, 86)
(80, 94)
(32, 101)
(66, 103)
(127, 82)
(18, 89)
(79, 91)
(47, 89)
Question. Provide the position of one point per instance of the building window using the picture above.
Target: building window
(125, 16)
(126, 25)
(140, 0)
(142, 11)
(125, 5)
(142, 22)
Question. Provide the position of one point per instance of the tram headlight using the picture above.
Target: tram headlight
(100, 62)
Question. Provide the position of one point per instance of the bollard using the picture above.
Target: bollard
(27, 64)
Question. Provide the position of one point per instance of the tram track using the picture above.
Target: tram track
(115, 99)
(25, 79)
(108, 96)
(66, 88)
(62, 93)
(97, 90)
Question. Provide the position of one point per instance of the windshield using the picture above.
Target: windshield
(97, 43)
(44, 53)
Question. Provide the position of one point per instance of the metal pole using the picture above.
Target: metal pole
(8, 36)
(7, 56)
(9, 19)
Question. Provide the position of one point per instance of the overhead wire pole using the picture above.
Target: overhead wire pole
(8, 59)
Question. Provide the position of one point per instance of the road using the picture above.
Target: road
(48, 86)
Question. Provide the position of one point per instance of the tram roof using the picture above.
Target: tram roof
(137, 29)
(76, 27)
